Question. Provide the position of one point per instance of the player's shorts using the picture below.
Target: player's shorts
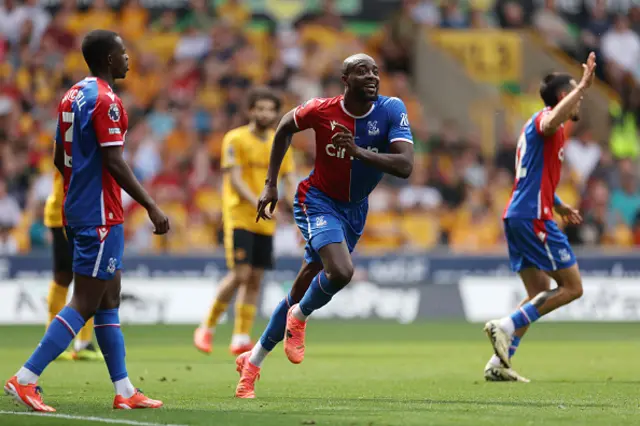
(243, 247)
(325, 221)
(62, 261)
(537, 243)
(96, 250)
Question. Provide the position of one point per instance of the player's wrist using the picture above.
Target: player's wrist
(270, 183)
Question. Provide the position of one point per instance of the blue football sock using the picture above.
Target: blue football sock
(515, 342)
(525, 315)
(111, 341)
(318, 294)
(274, 333)
(60, 333)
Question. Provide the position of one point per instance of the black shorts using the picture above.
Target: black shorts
(247, 248)
(62, 261)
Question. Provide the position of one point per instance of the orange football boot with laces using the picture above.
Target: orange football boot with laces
(138, 400)
(249, 374)
(203, 340)
(27, 395)
(294, 337)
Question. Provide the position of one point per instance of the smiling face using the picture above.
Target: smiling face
(360, 75)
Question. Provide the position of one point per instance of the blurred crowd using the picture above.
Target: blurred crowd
(190, 73)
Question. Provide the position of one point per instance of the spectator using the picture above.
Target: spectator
(621, 49)
(591, 36)
(625, 201)
(511, 15)
(582, 154)
(554, 28)
(10, 215)
(598, 221)
(39, 235)
(453, 16)
(425, 12)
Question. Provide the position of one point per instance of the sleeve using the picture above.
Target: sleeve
(231, 151)
(288, 166)
(107, 123)
(304, 114)
(537, 121)
(399, 128)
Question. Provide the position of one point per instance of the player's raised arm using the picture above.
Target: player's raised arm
(281, 141)
(566, 108)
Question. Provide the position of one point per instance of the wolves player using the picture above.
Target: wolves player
(359, 137)
(89, 143)
(248, 244)
(83, 348)
(537, 248)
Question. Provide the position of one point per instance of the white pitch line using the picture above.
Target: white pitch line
(85, 418)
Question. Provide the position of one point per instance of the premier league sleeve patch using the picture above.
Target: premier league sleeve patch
(114, 112)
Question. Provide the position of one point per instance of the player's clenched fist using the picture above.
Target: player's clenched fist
(160, 221)
(344, 139)
(267, 202)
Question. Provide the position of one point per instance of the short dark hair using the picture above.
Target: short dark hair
(96, 46)
(263, 94)
(551, 86)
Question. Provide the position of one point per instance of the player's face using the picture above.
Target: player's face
(364, 80)
(119, 60)
(264, 113)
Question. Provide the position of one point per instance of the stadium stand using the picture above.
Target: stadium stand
(191, 70)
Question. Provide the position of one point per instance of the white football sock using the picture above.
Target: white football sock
(124, 387)
(297, 312)
(240, 340)
(495, 361)
(79, 345)
(26, 377)
(507, 325)
(258, 354)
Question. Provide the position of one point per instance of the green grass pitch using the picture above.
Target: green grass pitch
(355, 373)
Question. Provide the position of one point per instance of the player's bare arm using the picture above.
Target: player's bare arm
(121, 172)
(241, 187)
(398, 162)
(550, 123)
(281, 142)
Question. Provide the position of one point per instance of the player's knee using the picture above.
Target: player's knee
(340, 274)
(576, 290)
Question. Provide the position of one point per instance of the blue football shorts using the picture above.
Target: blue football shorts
(537, 243)
(96, 250)
(325, 221)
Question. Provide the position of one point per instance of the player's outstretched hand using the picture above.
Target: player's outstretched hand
(160, 221)
(267, 202)
(588, 71)
(344, 139)
(569, 214)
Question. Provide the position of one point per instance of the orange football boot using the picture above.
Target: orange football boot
(294, 337)
(249, 373)
(203, 340)
(138, 400)
(27, 395)
(240, 349)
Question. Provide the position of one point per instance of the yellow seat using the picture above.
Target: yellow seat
(421, 229)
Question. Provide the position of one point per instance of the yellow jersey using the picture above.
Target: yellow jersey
(53, 207)
(242, 148)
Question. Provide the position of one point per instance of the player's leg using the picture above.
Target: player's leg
(535, 282)
(87, 294)
(554, 255)
(249, 363)
(235, 253)
(62, 278)
(260, 257)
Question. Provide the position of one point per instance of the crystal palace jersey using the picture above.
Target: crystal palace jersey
(90, 117)
(538, 166)
(336, 174)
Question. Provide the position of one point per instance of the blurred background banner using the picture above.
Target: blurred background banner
(176, 290)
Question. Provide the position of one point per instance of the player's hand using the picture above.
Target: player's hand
(569, 214)
(588, 71)
(160, 221)
(344, 139)
(267, 202)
